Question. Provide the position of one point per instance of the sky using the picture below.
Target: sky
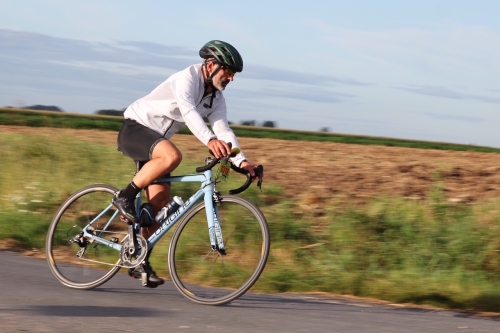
(423, 70)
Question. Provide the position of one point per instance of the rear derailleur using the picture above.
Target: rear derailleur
(82, 241)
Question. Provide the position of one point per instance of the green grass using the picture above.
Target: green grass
(112, 123)
(392, 249)
(425, 252)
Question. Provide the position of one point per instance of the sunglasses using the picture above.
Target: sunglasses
(229, 71)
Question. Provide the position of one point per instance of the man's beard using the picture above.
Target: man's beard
(218, 85)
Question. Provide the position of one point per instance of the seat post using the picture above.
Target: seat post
(139, 165)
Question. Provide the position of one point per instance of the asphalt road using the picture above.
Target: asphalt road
(32, 300)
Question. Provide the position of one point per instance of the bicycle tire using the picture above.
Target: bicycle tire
(203, 275)
(75, 213)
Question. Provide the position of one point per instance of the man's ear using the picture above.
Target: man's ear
(210, 66)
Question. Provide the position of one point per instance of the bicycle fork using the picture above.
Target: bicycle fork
(214, 228)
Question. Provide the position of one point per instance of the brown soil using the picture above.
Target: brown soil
(309, 171)
(13, 245)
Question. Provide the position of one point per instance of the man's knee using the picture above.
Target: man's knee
(167, 151)
(172, 159)
(177, 156)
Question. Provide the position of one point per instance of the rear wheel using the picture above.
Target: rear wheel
(75, 260)
(203, 274)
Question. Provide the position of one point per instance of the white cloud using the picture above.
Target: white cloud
(117, 68)
(293, 91)
(52, 61)
(276, 74)
(447, 93)
(454, 117)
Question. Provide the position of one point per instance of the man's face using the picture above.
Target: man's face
(222, 77)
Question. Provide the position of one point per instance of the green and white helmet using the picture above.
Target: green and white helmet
(223, 53)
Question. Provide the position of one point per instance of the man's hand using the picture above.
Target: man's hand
(250, 168)
(219, 148)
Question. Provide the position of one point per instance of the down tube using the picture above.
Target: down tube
(172, 219)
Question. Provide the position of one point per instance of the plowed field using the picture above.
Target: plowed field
(354, 173)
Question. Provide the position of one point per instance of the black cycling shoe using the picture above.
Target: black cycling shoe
(125, 205)
(146, 273)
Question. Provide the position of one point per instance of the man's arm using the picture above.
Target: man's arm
(220, 125)
(184, 90)
(218, 120)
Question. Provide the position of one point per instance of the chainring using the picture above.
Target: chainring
(134, 260)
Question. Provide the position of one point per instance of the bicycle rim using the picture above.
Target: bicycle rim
(98, 262)
(203, 274)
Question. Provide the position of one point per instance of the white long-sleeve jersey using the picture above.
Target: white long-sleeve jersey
(178, 102)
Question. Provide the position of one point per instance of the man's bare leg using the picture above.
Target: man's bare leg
(166, 157)
(158, 196)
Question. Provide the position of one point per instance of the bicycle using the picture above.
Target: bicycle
(217, 252)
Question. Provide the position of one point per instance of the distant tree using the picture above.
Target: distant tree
(268, 123)
(247, 122)
(111, 112)
(43, 108)
(324, 129)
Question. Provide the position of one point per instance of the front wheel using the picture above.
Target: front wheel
(201, 273)
(75, 260)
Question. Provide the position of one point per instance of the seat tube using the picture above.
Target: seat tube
(138, 203)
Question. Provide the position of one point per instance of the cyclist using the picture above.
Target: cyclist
(183, 99)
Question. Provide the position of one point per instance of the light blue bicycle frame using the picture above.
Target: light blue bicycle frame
(206, 190)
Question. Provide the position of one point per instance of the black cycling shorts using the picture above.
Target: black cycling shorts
(137, 141)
